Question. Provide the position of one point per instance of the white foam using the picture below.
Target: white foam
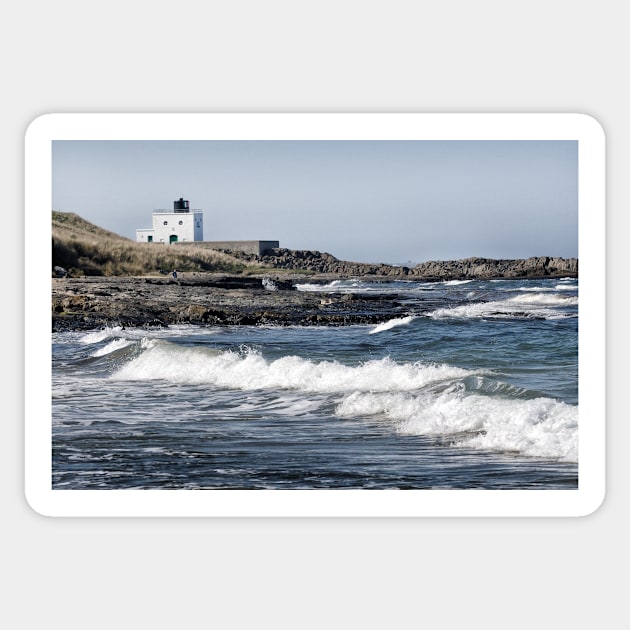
(392, 323)
(341, 286)
(544, 299)
(538, 428)
(100, 335)
(251, 371)
(539, 289)
(112, 346)
(419, 399)
(537, 304)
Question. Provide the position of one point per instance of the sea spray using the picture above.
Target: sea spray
(420, 399)
(249, 370)
(100, 335)
(112, 346)
(392, 323)
(537, 428)
(535, 305)
(340, 286)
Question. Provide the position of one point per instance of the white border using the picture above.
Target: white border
(314, 503)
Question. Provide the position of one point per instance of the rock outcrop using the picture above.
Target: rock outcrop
(486, 268)
(466, 269)
(97, 302)
(210, 299)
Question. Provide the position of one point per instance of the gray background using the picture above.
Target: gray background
(486, 56)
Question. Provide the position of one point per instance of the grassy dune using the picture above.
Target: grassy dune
(82, 248)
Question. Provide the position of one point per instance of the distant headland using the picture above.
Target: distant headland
(80, 248)
(101, 279)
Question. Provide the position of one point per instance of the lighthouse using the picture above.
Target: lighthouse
(181, 224)
(185, 225)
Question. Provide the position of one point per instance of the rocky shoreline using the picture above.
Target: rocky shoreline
(465, 269)
(94, 302)
(204, 299)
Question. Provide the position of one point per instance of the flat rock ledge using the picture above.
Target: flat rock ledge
(97, 302)
(94, 302)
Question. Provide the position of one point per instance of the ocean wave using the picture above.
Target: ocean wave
(540, 305)
(464, 408)
(544, 299)
(112, 346)
(249, 370)
(100, 335)
(136, 334)
(540, 427)
(538, 289)
(392, 323)
(341, 286)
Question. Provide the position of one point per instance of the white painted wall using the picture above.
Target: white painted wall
(186, 226)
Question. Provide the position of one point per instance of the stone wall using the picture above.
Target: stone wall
(256, 248)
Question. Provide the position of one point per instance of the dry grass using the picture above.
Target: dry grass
(82, 248)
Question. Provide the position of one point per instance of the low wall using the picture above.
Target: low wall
(247, 247)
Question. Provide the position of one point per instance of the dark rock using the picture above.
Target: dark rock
(470, 268)
(210, 299)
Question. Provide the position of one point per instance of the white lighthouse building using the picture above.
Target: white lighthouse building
(178, 225)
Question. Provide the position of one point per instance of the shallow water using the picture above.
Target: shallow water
(475, 387)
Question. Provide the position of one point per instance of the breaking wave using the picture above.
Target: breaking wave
(465, 407)
(100, 335)
(249, 370)
(540, 305)
(340, 286)
(541, 427)
(112, 346)
(392, 323)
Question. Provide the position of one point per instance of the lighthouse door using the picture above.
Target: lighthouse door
(172, 238)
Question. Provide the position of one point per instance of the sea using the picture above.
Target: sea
(474, 386)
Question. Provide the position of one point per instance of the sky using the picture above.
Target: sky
(397, 202)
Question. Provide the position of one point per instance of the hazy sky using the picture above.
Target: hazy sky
(368, 201)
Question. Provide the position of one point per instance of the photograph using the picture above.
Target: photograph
(320, 315)
(361, 306)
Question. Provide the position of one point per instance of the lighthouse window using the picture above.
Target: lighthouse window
(165, 222)
(181, 223)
